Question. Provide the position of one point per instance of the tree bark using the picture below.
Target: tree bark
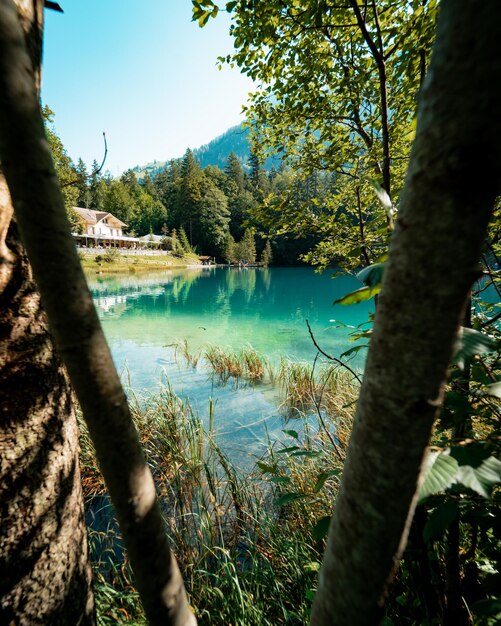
(45, 575)
(449, 193)
(45, 231)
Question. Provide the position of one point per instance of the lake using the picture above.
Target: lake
(145, 315)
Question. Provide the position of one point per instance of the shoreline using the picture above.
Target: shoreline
(111, 262)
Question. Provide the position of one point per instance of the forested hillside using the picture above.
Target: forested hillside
(235, 140)
(228, 211)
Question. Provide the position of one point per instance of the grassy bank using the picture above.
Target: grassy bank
(113, 262)
(249, 545)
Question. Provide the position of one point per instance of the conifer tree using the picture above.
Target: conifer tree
(190, 193)
(183, 241)
(247, 247)
(235, 171)
(82, 185)
(230, 251)
(266, 255)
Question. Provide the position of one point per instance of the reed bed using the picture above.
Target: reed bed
(249, 545)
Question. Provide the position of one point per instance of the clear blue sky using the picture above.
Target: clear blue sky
(141, 71)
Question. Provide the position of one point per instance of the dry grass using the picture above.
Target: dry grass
(248, 544)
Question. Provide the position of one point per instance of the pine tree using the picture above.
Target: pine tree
(175, 245)
(82, 184)
(235, 171)
(247, 251)
(230, 252)
(190, 192)
(266, 255)
(254, 168)
(184, 242)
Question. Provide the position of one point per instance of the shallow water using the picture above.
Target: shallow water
(145, 315)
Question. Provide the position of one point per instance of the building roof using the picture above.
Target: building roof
(152, 238)
(93, 217)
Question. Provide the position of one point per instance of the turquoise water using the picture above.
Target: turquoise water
(145, 315)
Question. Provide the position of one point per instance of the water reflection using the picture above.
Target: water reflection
(144, 315)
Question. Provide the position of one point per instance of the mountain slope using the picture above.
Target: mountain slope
(216, 152)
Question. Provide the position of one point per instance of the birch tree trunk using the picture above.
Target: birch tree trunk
(78, 335)
(45, 575)
(453, 179)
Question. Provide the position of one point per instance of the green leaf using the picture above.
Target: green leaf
(291, 433)
(323, 477)
(308, 453)
(313, 566)
(267, 469)
(482, 478)
(321, 528)
(372, 275)
(485, 608)
(471, 342)
(204, 18)
(286, 450)
(355, 252)
(289, 497)
(441, 471)
(473, 454)
(441, 518)
(230, 6)
(444, 470)
(280, 480)
(353, 350)
(493, 390)
(360, 295)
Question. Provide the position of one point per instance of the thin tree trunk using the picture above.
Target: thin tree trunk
(46, 234)
(45, 575)
(449, 192)
(428, 574)
(455, 612)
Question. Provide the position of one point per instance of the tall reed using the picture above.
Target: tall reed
(249, 545)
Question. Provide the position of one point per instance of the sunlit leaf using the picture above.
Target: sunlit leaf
(360, 295)
(440, 473)
(481, 479)
(493, 390)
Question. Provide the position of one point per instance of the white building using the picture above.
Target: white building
(100, 223)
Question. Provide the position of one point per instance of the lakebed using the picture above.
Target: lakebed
(160, 326)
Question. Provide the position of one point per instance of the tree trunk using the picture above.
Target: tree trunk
(74, 323)
(45, 575)
(449, 192)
